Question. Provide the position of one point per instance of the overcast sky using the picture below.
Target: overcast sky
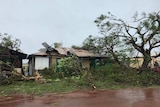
(66, 21)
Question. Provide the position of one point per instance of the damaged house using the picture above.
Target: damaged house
(49, 56)
(11, 57)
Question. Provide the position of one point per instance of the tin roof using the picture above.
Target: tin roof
(77, 52)
(40, 53)
(70, 51)
(7, 51)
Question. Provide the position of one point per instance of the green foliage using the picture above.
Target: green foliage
(142, 34)
(8, 78)
(70, 66)
(7, 41)
(76, 47)
(6, 58)
(106, 77)
(5, 81)
(51, 73)
(90, 44)
(116, 75)
(48, 71)
(57, 45)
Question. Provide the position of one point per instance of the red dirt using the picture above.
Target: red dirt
(107, 98)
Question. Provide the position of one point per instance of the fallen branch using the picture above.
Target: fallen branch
(37, 77)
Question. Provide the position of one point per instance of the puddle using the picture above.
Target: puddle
(109, 98)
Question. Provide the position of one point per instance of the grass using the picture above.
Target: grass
(36, 88)
(51, 86)
(31, 87)
(102, 78)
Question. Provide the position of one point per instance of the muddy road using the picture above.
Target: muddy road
(108, 98)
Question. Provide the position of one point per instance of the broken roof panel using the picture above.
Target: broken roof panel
(77, 52)
(70, 51)
(40, 54)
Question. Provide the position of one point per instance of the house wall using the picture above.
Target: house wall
(54, 62)
(54, 59)
(31, 65)
(137, 62)
(38, 63)
(86, 63)
(155, 60)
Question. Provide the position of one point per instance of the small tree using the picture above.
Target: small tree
(70, 66)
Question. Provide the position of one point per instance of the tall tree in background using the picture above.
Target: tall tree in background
(106, 45)
(9, 42)
(112, 44)
(143, 33)
(90, 44)
(58, 44)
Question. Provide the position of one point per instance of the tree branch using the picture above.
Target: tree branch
(153, 45)
(157, 55)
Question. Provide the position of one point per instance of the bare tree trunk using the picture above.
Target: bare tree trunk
(146, 60)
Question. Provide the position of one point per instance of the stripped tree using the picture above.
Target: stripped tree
(143, 34)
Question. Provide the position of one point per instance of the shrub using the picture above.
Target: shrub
(117, 75)
(48, 71)
(70, 66)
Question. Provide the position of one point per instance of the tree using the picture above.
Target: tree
(70, 66)
(111, 44)
(57, 45)
(76, 47)
(106, 45)
(90, 44)
(7, 41)
(143, 34)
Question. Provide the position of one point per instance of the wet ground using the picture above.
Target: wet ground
(108, 98)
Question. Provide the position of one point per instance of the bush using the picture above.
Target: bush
(48, 71)
(117, 75)
(8, 79)
(70, 66)
(51, 73)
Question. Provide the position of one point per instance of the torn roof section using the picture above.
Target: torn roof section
(77, 52)
(6, 51)
(48, 50)
(69, 52)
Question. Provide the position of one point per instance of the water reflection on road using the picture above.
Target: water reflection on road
(107, 98)
(141, 97)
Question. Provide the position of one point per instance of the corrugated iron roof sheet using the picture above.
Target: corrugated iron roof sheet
(61, 51)
(78, 52)
(40, 54)
(64, 51)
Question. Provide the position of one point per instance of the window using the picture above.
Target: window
(41, 63)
